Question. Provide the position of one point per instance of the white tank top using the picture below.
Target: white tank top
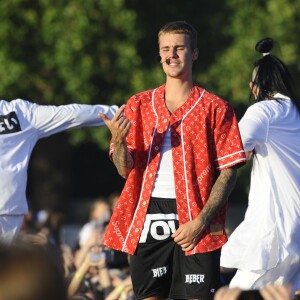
(164, 185)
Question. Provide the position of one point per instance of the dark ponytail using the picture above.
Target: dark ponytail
(264, 46)
(272, 74)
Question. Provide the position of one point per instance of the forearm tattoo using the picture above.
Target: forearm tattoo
(122, 159)
(219, 194)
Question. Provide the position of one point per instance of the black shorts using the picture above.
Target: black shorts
(159, 267)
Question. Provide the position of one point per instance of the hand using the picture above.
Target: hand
(37, 239)
(119, 125)
(276, 292)
(227, 293)
(188, 234)
(93, 260)
(96, 256)
(248, 154)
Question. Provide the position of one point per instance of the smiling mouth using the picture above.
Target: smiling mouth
(172, 63)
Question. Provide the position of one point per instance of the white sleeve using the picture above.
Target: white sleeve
(50, 119)
(254, 127)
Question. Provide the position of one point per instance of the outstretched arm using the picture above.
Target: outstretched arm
(119, 127)
(51, 119)
(188, 234)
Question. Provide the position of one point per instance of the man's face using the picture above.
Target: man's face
(176, 55)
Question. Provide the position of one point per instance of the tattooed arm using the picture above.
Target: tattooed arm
(218, 195)
(119, 127)
(122, 158)
(188, 234)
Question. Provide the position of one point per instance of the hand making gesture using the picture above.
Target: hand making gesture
(119, 125)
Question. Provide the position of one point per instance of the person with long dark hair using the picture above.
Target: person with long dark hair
(265, 247)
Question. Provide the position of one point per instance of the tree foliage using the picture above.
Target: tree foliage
(103, 51)
(251, 21)
(65, 52)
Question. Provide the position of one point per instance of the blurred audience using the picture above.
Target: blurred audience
(39, 267)
(28, 272)
(100, 273)
(90, 271)
(100, 210)
(113, 199)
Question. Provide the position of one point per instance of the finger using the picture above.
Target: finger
(265, 294)
(183, 240)
(269, 292)
(104, 118)
(176, 233)
(248, 155)
(187, 244)
(220, 293)
(188, 247)
(227, 293)
(283, 291)
(122, 122)
(233, 294)
(127, 127)
(275, 292)
(179, 240)
(118, 113)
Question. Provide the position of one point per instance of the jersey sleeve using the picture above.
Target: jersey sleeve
(254, 127)
(50, 119)
(229, 148)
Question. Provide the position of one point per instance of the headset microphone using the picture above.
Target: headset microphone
(167, 61)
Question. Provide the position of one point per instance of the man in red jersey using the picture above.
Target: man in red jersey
(178, 146)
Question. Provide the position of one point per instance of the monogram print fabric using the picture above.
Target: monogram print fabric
(205, 139)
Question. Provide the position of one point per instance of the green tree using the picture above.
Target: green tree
(249, 22)
(68, 51)
(60, 52)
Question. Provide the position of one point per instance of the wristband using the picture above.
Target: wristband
(78, 276)
(119, 289)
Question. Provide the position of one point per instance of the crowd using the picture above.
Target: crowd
(85, 270)
(38, 265)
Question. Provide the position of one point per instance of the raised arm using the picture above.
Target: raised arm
(119, 127)
(51, 119)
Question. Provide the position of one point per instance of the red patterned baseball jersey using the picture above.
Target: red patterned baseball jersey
(205, 139)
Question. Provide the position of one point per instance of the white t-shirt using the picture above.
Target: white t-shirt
(271, 229)
(164, 184)
(22, 124)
